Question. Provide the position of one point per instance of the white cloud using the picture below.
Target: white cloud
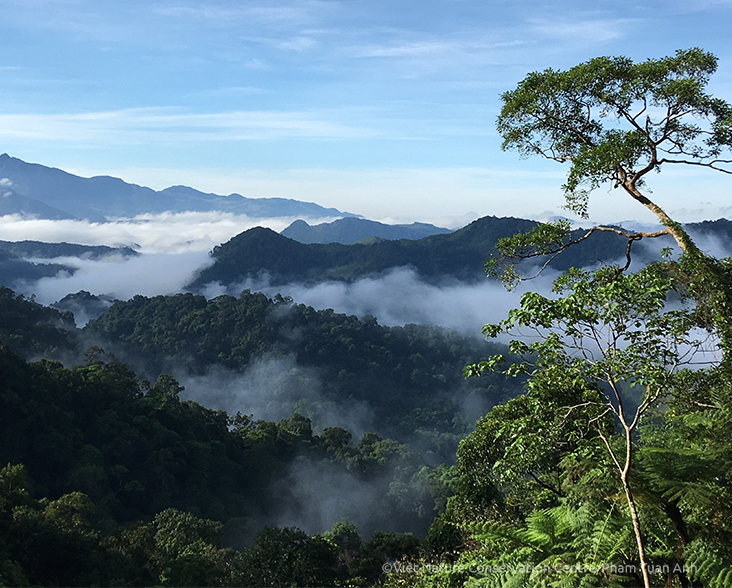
(230, 91)
(595, 30)
(160, 125)
(297, 43)
(160, 233)
(417, 48)
(401, 297)
(262, 13)
(457, 46)
(149, 275)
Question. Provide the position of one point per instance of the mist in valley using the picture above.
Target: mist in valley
(173, 248)
(272, 389)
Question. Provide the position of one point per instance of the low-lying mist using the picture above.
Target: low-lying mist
(401, 297)
(148, 274)
(272, 389)
(149, 233)
(174, 247)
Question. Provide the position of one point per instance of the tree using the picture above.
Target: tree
(288, 557)
(584, 468)
(611, 334)
(186, 550)
(615, 121)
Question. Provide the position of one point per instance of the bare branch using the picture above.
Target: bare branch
(709, 164)
(610, 450)
(630, 236)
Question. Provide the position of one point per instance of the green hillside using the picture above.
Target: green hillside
(409, 377)
(461, 255)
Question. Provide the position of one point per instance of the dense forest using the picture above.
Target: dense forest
(458, 255)
(115, 480)
(407, 379)
(109, 459)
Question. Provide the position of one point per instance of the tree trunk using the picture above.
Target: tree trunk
(672, 227)
(624, 471)
(718, 294)
(636, 530)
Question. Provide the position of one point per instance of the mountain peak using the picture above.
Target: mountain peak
(350, 230)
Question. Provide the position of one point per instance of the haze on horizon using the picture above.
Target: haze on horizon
(384, 110)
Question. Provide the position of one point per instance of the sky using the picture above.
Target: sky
(385, 109)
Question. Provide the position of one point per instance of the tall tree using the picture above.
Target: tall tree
(615, 121)
(608, 332)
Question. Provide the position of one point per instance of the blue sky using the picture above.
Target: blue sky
(386, 109)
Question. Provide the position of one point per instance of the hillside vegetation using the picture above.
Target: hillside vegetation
(124, 483)
(409, 378)
(460, 255)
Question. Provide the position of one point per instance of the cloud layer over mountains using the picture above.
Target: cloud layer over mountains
(175, 246)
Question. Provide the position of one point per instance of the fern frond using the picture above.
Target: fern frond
(709, 564)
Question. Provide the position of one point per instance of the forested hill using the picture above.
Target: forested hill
(107, 477)
(40, 249)
(461, 254)
(406, 382)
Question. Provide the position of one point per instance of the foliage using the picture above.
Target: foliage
(137, 449)
(615, 120)
(614, 455)
(408, 376)
(32, 329)
(460, 255)
(55, 542)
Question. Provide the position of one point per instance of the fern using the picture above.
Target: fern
(558, 547)
(681, 475)
(709, 564)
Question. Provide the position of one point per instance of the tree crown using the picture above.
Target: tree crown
(615, 120)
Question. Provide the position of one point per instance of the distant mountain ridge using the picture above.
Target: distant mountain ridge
(16, 265)
(459, 255)
(43, 250)
(50, 193)
(13, 203)
(350, 230)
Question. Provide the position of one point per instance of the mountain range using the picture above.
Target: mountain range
(343, 250)
(459, 255)
(350, 229)
(37, 191)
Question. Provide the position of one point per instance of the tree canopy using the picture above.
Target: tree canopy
(615, 121)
